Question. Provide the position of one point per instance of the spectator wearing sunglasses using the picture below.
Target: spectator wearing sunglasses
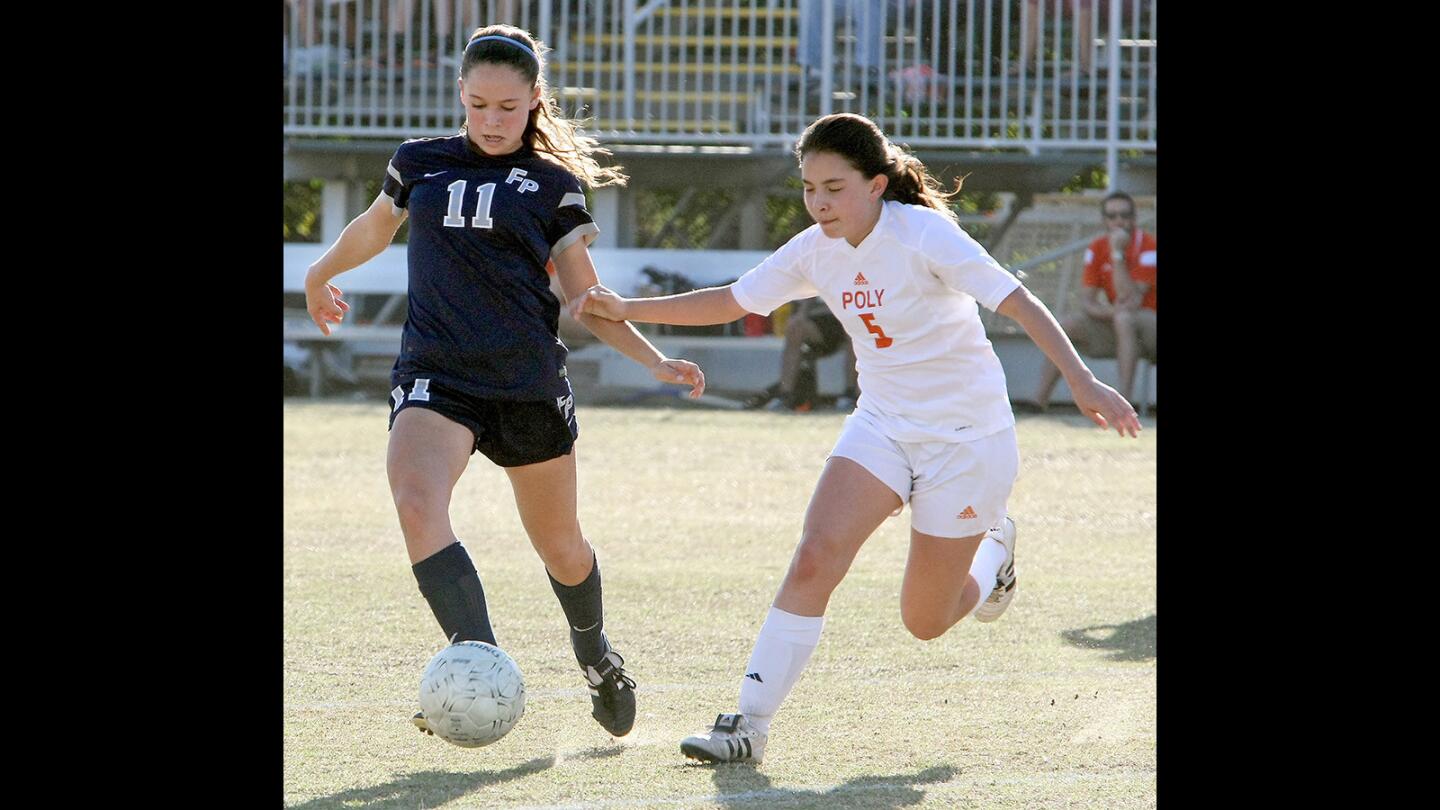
(1117, 299)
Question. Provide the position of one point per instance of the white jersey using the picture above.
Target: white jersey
(907, 297)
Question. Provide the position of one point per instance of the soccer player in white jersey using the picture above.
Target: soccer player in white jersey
(933, 426)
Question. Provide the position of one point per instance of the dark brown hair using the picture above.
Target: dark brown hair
(856, 139)
(1119, 195)
(548, 132)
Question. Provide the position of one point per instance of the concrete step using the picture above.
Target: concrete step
(699, 41)
(734, 12)
(640, 125)
(680, 96)
(670, 67)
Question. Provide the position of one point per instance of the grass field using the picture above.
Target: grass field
(695, 514)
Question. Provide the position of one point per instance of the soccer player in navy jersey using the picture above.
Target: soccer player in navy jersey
(480, 365)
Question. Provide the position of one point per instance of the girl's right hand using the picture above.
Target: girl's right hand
(600, 301)
(681, 372)
(325, 305)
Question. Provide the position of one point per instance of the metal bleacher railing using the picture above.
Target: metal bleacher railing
(1029, 74)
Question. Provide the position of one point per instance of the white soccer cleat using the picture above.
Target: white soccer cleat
(731, 739)
(1004, 591)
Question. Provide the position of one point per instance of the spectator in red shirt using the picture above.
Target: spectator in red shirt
(1117, 300)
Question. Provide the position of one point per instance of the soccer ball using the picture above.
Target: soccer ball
(472, 694)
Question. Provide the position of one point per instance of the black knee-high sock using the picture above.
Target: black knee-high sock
(586, 615)
(449, 582)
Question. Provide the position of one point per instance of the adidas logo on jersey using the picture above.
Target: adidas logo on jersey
(968, 514)
(755, 675)
(860, 279)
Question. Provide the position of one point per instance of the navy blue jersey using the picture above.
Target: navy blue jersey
(482, 318)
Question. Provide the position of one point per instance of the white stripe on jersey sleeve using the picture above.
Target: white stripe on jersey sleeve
(390, 169)
(572, 198)
(586, 230)
(398, 211)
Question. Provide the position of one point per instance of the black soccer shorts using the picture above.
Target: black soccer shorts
(511, 434)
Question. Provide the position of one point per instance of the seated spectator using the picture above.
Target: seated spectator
(811, 333)
(311, 21)
(471, 15)
(309, 16)
(1118, 299)
(860, 18)
(1081, 12)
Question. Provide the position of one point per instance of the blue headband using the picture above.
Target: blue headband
(516, 43)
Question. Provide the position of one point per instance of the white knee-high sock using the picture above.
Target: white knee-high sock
(781, 653)
(985, 567)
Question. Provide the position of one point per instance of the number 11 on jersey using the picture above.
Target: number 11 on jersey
(453, 217)
(881, 341)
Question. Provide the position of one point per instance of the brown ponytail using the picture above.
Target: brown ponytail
(861, 143)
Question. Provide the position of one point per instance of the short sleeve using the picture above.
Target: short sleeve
(962, 265)
(571, 221)
(781, 278)
(1144, 270)
(399, 177)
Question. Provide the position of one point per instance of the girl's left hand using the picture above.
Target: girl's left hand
(682, 372)
(1105, 407)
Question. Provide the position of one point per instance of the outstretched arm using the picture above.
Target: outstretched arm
(697, 308)
(361, 241)
(1095, 399)
(576, 272)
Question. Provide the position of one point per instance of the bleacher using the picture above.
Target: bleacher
(361, 351)
(661, 79)
(728, 72)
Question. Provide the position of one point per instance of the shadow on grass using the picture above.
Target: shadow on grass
(426, 788)
(598, 752)
(743, 785)
(1131, 641)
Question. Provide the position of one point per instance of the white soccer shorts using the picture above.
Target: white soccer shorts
(955, 489)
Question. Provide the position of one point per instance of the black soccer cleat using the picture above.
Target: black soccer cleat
(612, 694)
(760, 400)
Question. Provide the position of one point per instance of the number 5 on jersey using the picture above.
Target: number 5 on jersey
(881, 341)
(453, 217)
